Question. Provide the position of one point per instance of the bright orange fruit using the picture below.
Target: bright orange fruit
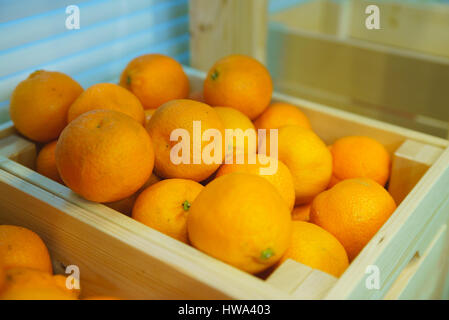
(155, 79)
(239, 82)
(39, 104)
(308, 159)
(179, 116)
(46, 162)
(241, 219)
(165, 205)
(360, 157)
(29, 284)
(107, 96)
(104, 155)
(21, 247)
(353, 211)
(280, 114)
(282, 179)
(302, 212)
(316, 248)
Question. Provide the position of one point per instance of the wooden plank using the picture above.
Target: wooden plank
(301, 281)
(314, 286)
(410, 162)
(315, 16)
(18, 149)
(379, 81)
(409, 229)
(6, 129)
(289, 275)
(222, 27)
(330, 124)
(425, 276)
(418, 27)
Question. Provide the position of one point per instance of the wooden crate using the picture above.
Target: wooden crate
(321, 50)
(119, 256)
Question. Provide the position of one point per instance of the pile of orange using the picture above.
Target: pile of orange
(26, 271)
(163, 155)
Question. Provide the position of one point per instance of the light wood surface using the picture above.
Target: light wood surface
(393, 84)
(222, 27)
(419, 27)
(18, 149)
(424, 273)
(410, 162)
(289, 275)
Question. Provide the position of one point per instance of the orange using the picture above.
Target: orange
(280, 114)
(104, 155)
(239, 82)
(235, 120)
(302, 212)
(28, 284)
(180, 115)
(360, 157)
(353, 211)
(46, 162)
(39, 104)
(125, 206)
(102, 298)
(282, 179)
(241, 219)
(155, 79)
(316, 248)
(2, 274)
(308, 159)
(148, 114)
(107, 96)
(165, 205)
(21, 247)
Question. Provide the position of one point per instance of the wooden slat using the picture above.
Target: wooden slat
(418, 27)
(301, 281)
(18, 149)
(6, 129)
(289, 275)
(424, 276)
(315, 286)
(222, 27)
(410, 162)
(383, 82)
(330, 124)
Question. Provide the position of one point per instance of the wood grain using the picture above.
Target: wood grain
(222, 27)
(390, 83)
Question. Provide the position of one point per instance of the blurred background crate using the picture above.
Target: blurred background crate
(321, 50)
